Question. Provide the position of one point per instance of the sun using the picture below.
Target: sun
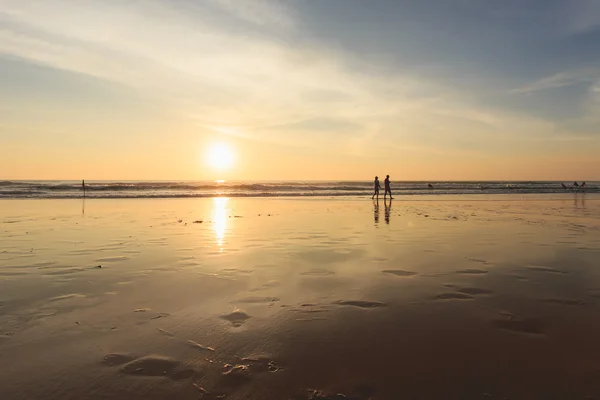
(220, 156)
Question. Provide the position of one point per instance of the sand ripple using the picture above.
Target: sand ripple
(360, 303)
(398, 272)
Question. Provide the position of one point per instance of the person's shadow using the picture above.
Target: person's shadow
(376, 210)
(388, 209)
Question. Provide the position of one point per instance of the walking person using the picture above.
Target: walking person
(377, 187)
(387, 187)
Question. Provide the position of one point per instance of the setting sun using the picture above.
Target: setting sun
(220, 156)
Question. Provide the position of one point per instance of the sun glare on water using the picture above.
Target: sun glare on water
(220, 156)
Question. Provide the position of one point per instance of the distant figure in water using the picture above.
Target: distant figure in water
(377, 187)
(575, 185)
(83, 186)
(386, 184)
(430, 186)
(564, 186)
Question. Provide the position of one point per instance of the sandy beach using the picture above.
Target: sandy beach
(449, 297)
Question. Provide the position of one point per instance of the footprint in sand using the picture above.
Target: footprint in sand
(472, 271)
(266, 285)
(474, 291)
(117, 359)
(360, 303)
(398, 272)
(565, 302)
(112, 259)
(318, 272)
(453, 296)
(525, 326)
(546, 269)
(157, 366)
(64, 271)
(237, 317)
(477, 260)
(67, 296)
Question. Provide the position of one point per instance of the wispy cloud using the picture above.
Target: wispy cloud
(277, 13)
(234, 79)
(566, 78)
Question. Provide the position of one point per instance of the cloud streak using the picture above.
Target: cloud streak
(251, 70)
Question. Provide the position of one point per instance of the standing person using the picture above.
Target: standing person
(83, 186)
(377, 187)
(387, 187)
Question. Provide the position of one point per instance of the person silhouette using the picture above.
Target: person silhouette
(387, 187)
(377, 187)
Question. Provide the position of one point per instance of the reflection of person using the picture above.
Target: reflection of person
(388, 209)
(377, 187)
(387, 187)
(376, 210)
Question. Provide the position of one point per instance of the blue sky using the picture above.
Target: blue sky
(300, 89)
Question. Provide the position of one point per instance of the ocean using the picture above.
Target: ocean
(180, 189)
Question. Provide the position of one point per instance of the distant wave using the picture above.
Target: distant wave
(174, 189)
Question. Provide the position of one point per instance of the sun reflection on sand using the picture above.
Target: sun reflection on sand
(219, 216)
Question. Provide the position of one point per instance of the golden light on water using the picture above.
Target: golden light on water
(219, 217)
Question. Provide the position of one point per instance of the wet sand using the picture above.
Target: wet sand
(495, 297)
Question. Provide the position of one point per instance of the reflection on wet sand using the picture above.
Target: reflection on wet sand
(308, 299)
(219, 219)
(388, 209)
(376, 210)
(579, 200)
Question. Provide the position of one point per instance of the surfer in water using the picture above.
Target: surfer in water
(386, 184)
(377, 187)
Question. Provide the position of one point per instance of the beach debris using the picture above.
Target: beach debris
(165, 332)
(262, 363)
(199, 221)
(199, 346)
(257, 299)
(98, 266)
(180, 220)
(200, 388)
(238, 370)
(160, 315)
(141, 310)
(314, 394)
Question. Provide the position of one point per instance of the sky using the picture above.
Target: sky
(312, 89)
